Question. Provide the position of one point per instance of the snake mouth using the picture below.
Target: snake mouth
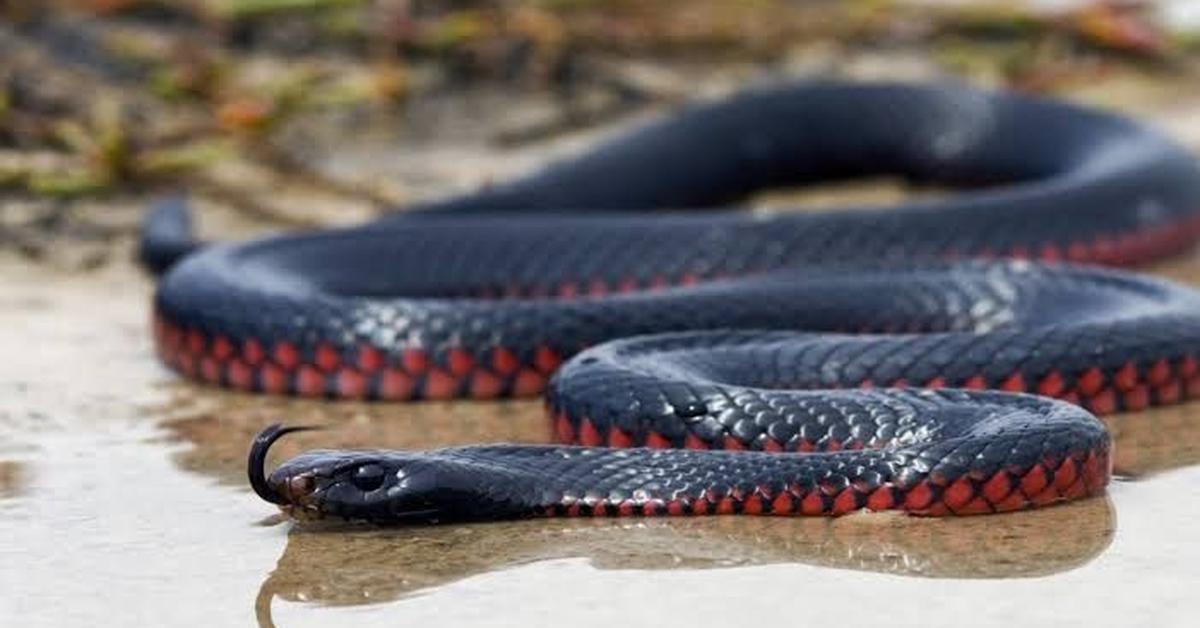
(256, 465)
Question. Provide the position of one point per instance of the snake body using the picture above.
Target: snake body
(838, 349)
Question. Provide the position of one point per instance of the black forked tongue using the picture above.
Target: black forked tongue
(256, 467)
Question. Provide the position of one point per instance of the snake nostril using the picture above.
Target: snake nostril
(368, 477)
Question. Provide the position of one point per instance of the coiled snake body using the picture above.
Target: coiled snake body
(839, 350)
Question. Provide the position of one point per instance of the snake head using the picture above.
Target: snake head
(370, 485)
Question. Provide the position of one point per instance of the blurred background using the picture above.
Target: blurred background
(303, 112)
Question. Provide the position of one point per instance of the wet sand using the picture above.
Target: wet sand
(122, 500)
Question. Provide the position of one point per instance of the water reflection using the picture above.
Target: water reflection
(343, 565)
(12, 479)
(1156, 440)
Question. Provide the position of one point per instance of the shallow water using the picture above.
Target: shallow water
(122, 500)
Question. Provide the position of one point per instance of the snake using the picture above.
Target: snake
(944, 355)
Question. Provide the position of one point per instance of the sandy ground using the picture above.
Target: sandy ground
(122, 501)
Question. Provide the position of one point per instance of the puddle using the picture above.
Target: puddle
(122, 500)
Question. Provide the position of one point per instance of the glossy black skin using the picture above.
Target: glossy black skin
(1059, 175)
(1048, 175)
(916, 435)
(759, 385)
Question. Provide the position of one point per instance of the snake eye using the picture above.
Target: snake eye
(368, 477)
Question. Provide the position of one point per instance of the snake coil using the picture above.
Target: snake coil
(838, 349)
